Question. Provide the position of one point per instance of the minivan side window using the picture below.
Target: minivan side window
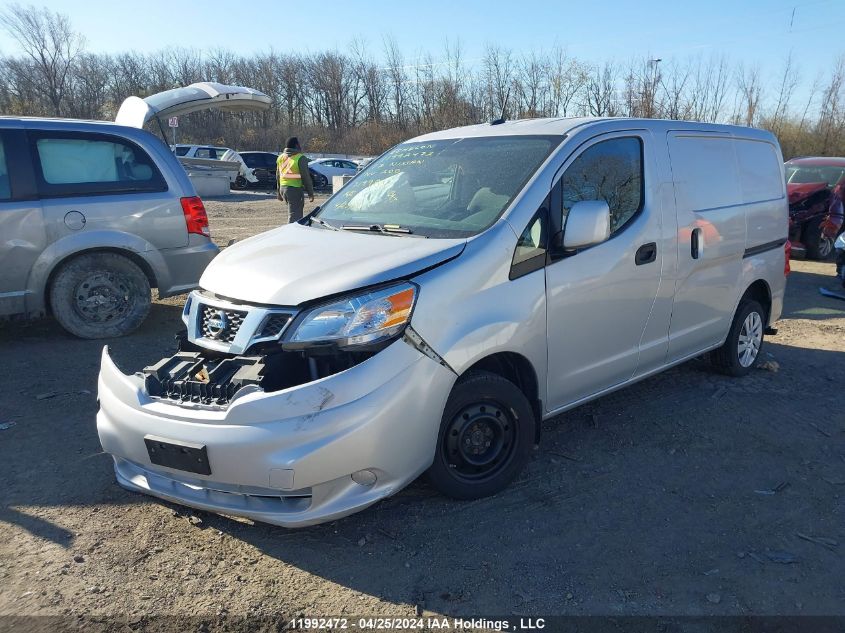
(182, 150)
(612, 171)
(5, 183)
(83, 163)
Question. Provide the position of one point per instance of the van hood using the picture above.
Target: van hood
(801, 191)
(135, 112)
(295, 263)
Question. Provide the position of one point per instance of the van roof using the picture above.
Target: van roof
(564, 125)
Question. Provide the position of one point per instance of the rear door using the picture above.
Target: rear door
(90, 181)
(22, 233)
(711, 239)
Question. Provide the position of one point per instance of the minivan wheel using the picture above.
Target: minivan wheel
(742, 348)
(486, 436)
(100, 295)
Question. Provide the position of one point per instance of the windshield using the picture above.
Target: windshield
(449, 188)
(830, 174)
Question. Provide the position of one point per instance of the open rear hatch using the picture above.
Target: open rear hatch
(135, 112)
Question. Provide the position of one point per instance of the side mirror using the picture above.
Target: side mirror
(588, 224)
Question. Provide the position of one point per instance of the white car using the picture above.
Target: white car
(199, 151)
(330, 167)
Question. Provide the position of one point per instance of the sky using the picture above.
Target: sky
(754, 32)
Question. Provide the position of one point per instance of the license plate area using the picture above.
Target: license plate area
(186, 456)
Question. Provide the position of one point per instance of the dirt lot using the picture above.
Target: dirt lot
(689, 493)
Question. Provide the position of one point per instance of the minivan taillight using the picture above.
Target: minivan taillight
(787, 252)
(196, 219)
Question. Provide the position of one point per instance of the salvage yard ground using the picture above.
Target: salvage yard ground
(689, 493)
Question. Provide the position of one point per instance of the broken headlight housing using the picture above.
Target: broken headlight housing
(364, 320)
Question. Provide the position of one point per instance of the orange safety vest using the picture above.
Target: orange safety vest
(287, 166)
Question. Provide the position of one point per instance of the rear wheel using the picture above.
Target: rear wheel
(742, 348)
(486, 436)
(100, 295)
(818, 246)
(319, 180)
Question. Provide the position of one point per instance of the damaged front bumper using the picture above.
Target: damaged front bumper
(294, 457)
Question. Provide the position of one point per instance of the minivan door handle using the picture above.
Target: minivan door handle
(695, 243)
(646, 254)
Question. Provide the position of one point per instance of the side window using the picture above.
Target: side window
(182, 150)
(79, 164)
(252, 160)
(5, 183)
(530, 252)
(204, 152)
(611, 170)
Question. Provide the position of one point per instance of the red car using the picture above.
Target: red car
(815, 186)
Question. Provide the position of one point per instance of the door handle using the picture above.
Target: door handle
(646, 254)
(695, 243)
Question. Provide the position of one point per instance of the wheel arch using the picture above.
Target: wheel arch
(520, 371)
(760, 291)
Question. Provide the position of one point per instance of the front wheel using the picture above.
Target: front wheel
(486, 436)
(819, 246)
(100, 295)
(742, 348)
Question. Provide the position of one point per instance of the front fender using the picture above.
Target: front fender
(77, 243)
(469, 309)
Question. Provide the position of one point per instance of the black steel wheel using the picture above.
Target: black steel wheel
(486, 435)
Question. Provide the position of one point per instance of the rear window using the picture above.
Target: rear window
(81, 164)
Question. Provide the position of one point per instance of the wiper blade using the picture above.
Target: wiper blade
(389, 229)
(324, 224)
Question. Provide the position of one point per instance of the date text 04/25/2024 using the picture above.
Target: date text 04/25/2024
(416, 623)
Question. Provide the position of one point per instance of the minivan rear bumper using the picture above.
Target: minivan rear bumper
(183, 267)
(285, 457)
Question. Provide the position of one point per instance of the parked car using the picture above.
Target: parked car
(816, 188)
(264, 167)
(331, 167)
(199, 151)
(328, 363)
(94, 214)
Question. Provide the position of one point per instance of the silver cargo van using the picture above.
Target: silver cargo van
(462, 288)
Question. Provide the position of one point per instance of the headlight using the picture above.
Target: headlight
(365, 319)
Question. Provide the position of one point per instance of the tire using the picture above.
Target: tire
(486, 436)
(818, 246)
(240, 183)
(731, 358)
(100, 295)
(319, 180)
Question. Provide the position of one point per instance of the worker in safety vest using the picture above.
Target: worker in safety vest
(294, 179)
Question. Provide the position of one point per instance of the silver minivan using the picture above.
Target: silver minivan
(464, 287)
(93, 214)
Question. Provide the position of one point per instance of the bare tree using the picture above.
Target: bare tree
(49, 42)
(749, 94)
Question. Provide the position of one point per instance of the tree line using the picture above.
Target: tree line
(364, 98)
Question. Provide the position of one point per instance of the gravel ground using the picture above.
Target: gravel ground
(686, 494)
